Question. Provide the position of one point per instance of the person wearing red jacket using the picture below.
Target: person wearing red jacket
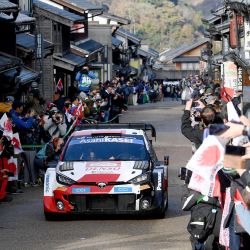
(6, 168)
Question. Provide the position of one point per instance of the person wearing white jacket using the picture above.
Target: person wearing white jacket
(54, 124)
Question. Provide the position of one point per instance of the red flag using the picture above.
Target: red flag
(59, 85)
(227, 94)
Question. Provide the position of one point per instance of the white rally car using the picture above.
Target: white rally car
(107, 168)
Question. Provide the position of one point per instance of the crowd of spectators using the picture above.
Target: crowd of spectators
(33, 132)
(217, 177)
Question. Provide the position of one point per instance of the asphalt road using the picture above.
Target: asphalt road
(22, 225)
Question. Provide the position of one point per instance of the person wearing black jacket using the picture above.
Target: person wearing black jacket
(194, 134)
(107, 96)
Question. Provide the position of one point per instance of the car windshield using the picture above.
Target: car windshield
(106, 148)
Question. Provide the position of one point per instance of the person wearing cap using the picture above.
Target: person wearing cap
(6, 106)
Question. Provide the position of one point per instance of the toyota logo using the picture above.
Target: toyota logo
(102, 185)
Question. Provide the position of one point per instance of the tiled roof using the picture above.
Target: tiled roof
(70, 60)
(23, 19)
(169, 55)
(7, 61)
(28, 41)
(83, 4)
(78, 60)
(5, 16)
(186, 59)
(89, 46)
(216, 16)
(6, 5)
(148, 52)
(128, 35)
(26, 75)
(58, 12)
(247, 2)
(118, 19)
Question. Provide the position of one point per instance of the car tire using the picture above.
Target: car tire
(160, 213)
(167, 200)
(50, 216)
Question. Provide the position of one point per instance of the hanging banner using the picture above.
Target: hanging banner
(240, 79)
(247, 39)
(230, 75)
(203, 66)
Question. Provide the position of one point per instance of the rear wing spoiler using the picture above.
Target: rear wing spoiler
(142, 126)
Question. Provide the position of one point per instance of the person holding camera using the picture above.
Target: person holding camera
(54, 123)
(84, 77)
(195, 133)
(48, 156)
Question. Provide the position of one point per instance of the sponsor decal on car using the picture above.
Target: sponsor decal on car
(122, 189)
(102, 167)
(103, 164)
(81, 190)
(47, 183)
(159, 186)
(106, 139)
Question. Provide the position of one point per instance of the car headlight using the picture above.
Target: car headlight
(66, 166)
(64, 180)
(141, 165)
(143, 178)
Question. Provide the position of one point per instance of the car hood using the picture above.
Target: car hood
(109, 171)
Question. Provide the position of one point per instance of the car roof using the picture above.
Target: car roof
(108, 131)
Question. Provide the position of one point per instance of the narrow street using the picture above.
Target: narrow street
(22, 225)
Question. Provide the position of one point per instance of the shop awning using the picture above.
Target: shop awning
(7, 62)
(70, 61)
(25, 76)
(88, 46)
(23, 19)
(27, 43)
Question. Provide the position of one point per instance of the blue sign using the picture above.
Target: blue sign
(123, 189)
(80, 190)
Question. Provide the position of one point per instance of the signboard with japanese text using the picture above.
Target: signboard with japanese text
(240, 78)
(230, 75)
(247, 39)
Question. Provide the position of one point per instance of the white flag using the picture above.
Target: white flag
(205, 164)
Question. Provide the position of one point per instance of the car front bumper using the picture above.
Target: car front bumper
(119, 200)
